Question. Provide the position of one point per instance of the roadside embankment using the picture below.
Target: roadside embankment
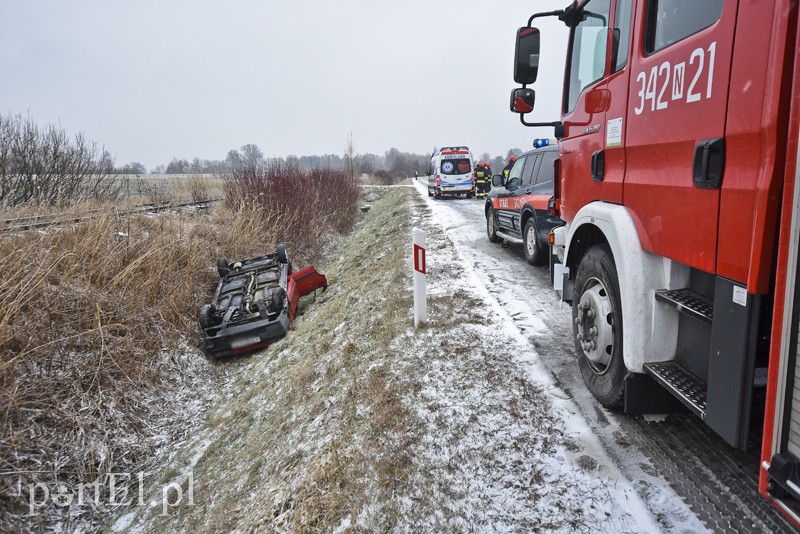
(357, 421)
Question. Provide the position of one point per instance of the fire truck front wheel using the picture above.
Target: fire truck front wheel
(597, 327)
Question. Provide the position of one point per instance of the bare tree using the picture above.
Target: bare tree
(350, 156)
(44, 166)
(252, 156)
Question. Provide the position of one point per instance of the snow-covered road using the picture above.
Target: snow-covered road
(640, 499)
(684, 476)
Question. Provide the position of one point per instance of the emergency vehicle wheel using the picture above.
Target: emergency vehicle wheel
(436, 194)
(491, 229)
(429, 192)
(597, 327)
(534, 254)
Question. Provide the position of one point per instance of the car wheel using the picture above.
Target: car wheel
(222, 267)
(277, 300)
(282, 256)
(533, 251)
(205, 316)
(429, 192)
(597, 327)
(436, 194)
(469, 195)
(491, 226)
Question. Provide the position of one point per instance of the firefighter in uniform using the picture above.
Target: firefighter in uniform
(507, 168)
(483, 177)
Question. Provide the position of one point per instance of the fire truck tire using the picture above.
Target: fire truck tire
(491, 227)
(534, 254)
(597, 327)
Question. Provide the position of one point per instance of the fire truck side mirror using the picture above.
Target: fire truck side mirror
(522, 100)
(526, 56)
(497, 180)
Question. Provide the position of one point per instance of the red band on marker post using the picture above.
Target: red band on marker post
(419, 259)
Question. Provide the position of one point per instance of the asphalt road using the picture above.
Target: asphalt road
(718, 483)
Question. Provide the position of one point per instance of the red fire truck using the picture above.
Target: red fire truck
(678, 179)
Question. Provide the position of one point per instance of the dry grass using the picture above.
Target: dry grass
(133, 191)
(91, 318)
(317, 431)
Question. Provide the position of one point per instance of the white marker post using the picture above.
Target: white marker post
(420, 277)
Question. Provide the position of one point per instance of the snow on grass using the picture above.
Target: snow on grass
(501, 449)
(521, 309)
(358, 422)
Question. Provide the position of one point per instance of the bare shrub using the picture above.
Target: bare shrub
(45, 166)
(153, 190)
(385, 178)
(303, 206)
(198, 187)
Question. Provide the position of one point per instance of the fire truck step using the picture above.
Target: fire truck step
(686, 387)
(688, 302)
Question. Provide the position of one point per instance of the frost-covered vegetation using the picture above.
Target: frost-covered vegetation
(99, 363)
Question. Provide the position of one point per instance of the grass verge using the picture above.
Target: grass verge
(314, 430)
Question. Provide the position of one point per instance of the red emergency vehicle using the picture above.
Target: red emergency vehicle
(678, 179)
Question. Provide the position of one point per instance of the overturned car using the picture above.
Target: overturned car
(255, 303)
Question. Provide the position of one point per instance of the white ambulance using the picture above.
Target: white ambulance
(451, 173)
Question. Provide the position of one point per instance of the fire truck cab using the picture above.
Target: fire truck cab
(677, 178)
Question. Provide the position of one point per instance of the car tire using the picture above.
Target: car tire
(534, 253)
(437, 195)
(491, 226)
(282, 256)
(222, 267)
(597, 327)
(470, 195)
(205, 316)
(429, 192)
(277, 300)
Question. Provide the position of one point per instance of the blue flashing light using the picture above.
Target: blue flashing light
(539, 143)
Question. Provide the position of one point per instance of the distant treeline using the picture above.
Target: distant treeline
(390, 166)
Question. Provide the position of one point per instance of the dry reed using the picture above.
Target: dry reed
(91, 318)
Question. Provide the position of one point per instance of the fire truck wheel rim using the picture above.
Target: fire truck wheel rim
(595, 325)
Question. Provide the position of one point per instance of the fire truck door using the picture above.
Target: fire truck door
(674, 136)
(586, 98)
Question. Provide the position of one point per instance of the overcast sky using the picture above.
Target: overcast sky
(157, 79)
